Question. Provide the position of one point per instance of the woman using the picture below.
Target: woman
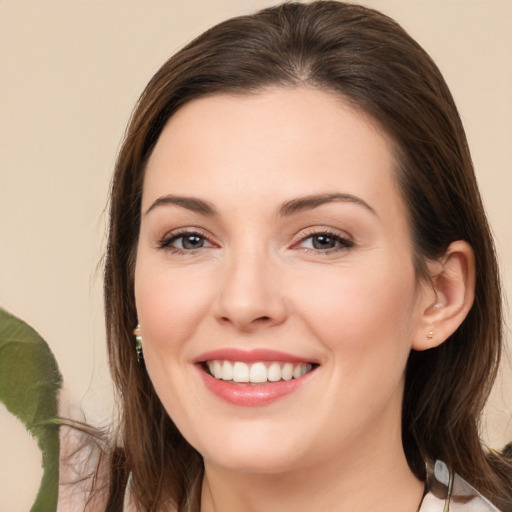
(297, 233)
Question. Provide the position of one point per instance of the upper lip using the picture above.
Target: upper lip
(250, 356)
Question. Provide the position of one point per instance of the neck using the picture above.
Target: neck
(376, 479)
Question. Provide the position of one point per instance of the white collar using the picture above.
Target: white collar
(449, 492)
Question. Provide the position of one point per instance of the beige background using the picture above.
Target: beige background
(71, 71)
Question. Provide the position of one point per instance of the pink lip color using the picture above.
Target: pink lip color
(251, 395)
(250, 356)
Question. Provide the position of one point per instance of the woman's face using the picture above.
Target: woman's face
(274, 251)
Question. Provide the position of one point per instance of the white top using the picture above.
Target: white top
(444, 494)
(455, 494)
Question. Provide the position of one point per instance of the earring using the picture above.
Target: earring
(138, 343)
(430, 335)
(437, 306)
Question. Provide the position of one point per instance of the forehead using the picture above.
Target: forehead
(276, 144)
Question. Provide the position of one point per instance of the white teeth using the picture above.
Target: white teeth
(227, 371)
(287, 371)
(259, 372)
(217, 370)
(274, 372)
(240, 372)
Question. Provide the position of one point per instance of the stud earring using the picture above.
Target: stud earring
(430, 335)
(437, 306)
(138, 343)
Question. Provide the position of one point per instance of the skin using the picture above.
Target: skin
(258, 281)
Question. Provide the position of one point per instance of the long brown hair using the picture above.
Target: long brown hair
(372, 63)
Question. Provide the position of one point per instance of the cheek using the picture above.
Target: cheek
(169, 308)
(365, 323)
(364, 316)
(170, 304)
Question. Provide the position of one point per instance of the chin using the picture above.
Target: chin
(254, 454)
(252, 462)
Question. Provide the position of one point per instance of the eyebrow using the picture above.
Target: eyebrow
(309, 202)
(190, 203)
(288, 208)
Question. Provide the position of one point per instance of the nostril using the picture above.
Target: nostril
(258, 320)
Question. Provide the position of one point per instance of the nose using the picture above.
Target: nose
(250, 296)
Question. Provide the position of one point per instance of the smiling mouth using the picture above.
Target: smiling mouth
(258, 372)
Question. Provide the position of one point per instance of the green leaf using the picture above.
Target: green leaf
(29, 383)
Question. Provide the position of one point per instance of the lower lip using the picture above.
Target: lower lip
(251, 395)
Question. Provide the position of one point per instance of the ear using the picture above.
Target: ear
(447, 299)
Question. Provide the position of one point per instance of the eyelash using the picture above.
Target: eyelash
(168, 240)
(343, 243)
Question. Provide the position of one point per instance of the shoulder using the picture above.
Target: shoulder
(450, 492)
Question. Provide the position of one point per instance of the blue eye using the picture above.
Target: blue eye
(190, 242)
(325, 242)
(183, 242)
